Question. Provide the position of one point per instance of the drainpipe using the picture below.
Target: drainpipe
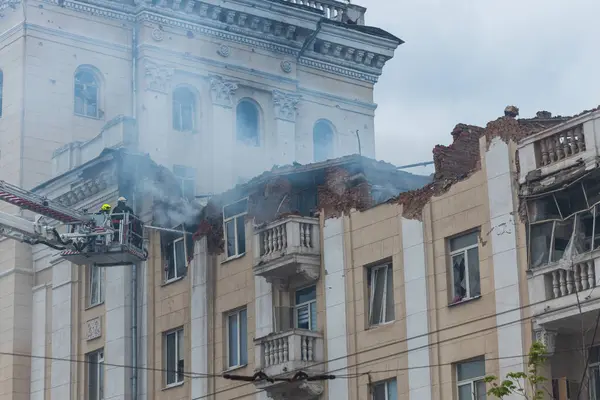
(134, 344)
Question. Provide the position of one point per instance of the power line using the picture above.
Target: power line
(412, 338)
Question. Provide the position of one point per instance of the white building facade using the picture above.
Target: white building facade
(217, 92)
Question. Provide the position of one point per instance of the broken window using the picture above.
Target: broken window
(174, 357)
(562, 224)
(323, 141)
(174, 255)
(380, 284)
(86, 94)
(464, 258)
(247, 124)
(184, 107)
(234, 226)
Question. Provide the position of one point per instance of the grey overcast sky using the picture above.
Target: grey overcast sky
(465, 60)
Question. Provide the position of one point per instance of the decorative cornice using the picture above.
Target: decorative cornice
(86, 190)
(158, 78)
(336, 69)
(285, 105)
(8, 5)
(221, 91)
(239, 28)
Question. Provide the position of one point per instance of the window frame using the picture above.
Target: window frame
(237, 313)
(98, 86)
(189, 176)
(386, 384)
(472, 382)
(99, 372)
(465, 252)
(181, 106)
(247, 141)
(176, 275)
(179, 375)
(371, 293)
(100, 277)
(235, 219)
(325, 137)
(305, 304)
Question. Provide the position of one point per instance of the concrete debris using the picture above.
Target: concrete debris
(511, 112)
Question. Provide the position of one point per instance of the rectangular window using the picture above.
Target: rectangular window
(186, 177)
(174, 357)
(306, 308)
(95, 368)
(176, 263)
(381, 294)
(385, 390)
(470, 375)
(235, 235)
(237, 339)
(464, 255)
(96, 285)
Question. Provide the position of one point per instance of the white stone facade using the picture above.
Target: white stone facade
(297, 65)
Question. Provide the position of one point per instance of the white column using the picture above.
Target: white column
(335, 305)
(504, 256)
(38, 343)
(223, 133)
(263, 308)
(199, 318)
(284, 148)
(117, 348)
(61, 330)
(142, 387)
(415, 293)
(153, 117)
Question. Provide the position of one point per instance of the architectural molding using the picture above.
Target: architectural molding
(243, 29)
(157, 77)
(15, 271)
(87, 189)
(286, 105)
(224, 50)
(547, 338)
(222, 91)
(286, 66)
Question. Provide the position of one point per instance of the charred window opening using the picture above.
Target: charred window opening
(234, 216)
(305, 202)
(174, 255)
(562, 224)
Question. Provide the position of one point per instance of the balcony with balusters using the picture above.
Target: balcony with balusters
(283, 354)
(560, 147)
(288, 248)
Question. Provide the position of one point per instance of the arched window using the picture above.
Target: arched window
(1, 90)
(87, 93)
(323, 141)
(184, 110)
(247, 124)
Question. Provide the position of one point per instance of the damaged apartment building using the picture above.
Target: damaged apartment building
(559, 192)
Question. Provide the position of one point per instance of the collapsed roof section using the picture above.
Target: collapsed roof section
(332, 187)
(462, 158)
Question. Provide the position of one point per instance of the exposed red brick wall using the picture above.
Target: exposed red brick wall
(336, 197)
(462, 156)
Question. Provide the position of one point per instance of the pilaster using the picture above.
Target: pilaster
(222, 92)
(286, 105)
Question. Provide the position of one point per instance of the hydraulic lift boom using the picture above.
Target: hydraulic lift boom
(97, 239)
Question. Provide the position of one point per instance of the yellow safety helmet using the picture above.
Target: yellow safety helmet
(105, 207)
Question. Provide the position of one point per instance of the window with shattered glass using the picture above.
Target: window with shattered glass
(234, 217)
(562, 223)
(184, 110)
(380, 283)
(86, 94)
(464, 258)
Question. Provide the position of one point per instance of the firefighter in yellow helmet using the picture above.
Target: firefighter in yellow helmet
(105, 209)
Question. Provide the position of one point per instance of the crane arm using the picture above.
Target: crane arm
(26, 231)
(27, 200)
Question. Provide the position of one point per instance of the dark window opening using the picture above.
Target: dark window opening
(174, 255)
(322, 141)
(86, 94)
(247, 124)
